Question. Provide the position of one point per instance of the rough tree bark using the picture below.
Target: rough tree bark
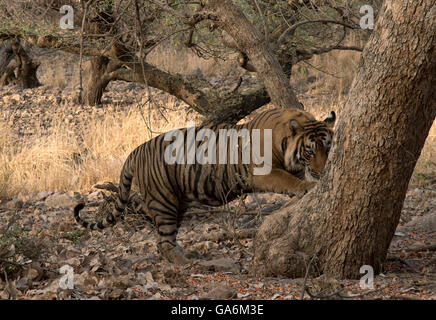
(14, 57)
(349, 218)
(100, 73)
(7, 64)
(26, 68)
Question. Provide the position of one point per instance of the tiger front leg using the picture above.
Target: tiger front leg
(281, 181)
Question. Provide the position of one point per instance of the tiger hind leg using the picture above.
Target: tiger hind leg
(167, 227)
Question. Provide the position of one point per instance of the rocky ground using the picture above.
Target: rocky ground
(44, 254)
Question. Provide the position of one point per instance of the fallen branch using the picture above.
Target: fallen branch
(218, 236)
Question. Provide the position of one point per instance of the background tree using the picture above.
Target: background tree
(16, 66)
(120, 35)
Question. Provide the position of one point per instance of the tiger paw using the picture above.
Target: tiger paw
(175, 254)
(305, 187)
(193, 254)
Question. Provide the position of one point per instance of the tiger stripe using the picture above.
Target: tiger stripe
(299, 150)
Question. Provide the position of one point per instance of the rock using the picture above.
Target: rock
(42, 195)
(221, 264)
(12, 99)
(60, 200)
(32, 274)
(50, 291)
(23, 284)
(75, 262)
(219, 293)
(14, 204)
(35, 272)
(205, 246)
(94, 196)
(73, 194)
(424, 224)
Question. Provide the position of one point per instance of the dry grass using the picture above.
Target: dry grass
(184, 61)
(425, 169)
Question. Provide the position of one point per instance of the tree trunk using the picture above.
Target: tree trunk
(26, 68)
(349, 218)
(250, 41)
(97, 82)
(7, 65)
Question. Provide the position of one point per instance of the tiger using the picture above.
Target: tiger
(299, 146)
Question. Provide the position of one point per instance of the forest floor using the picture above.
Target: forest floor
(39, 236)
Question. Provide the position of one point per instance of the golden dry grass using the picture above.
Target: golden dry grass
(425, 169)
(60, 161)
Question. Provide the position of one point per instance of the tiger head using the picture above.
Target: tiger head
(305, 143)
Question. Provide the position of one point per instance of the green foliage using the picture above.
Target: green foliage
(74, 236)
(302, 69)
(15, 248)
(174, 3)
(24, 245)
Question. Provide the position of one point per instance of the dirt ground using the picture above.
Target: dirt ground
(39, 236)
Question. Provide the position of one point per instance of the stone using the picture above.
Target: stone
(221, 264)
(422, 224)
(14, 204)
(60, 200)
(94, 196)
(219, 293)
(42, 195)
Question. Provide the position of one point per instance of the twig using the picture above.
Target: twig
(85, 5)
(344, 296)
(292, 28)
(262, 17)
(304, 289)
(323, 71)
(237, 85)
(366, 293)
(11, 262)
(429, 247)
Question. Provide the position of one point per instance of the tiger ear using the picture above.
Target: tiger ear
(331, 119)
(295, 127)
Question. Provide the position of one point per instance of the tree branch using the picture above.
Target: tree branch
(292, 28)
(188, 19)
(262, 17)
